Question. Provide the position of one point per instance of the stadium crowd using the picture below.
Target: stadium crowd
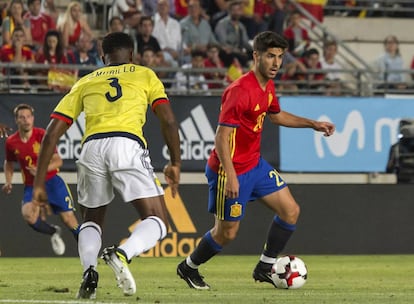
(194, 45)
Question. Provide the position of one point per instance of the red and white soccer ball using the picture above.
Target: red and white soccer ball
(289, 272)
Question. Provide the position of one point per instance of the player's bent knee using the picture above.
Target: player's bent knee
(161, 225)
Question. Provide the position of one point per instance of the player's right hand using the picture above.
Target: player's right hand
(7, 188)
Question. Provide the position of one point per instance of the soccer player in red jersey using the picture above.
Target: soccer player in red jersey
(237, 173)
(23, 147)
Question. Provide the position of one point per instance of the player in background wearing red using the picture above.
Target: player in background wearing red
(23, 147)
(237, 173)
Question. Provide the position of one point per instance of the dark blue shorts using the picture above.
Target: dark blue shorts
(256, 183)
(58, 193)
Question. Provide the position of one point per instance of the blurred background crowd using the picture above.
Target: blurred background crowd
(199, 46)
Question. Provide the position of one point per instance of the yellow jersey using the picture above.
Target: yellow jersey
(115, 100)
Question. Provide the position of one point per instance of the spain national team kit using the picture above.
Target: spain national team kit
(256, 177)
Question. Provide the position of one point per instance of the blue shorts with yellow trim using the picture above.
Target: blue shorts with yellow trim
(256, 183)
(58, 194)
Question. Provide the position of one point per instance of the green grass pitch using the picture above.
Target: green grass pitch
(332, 279)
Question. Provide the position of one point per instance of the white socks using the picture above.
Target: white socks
(89, 244)
(144, 237)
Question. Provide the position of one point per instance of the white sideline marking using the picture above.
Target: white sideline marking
(54, 302)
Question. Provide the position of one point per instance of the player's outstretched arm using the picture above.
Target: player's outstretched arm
(290, 120)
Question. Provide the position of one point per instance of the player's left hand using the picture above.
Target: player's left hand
(39, 196)
(324, 126)
(172, 176)
(32, 170)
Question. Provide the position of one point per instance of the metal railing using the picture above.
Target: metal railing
(352, 82)
(383, 8)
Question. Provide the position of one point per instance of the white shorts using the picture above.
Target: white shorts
(115, 162)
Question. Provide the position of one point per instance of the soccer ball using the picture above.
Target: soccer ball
(289, 272)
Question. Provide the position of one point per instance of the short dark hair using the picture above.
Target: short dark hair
(22, 106)
(117, 41)
(269, 39)
(29, 2)
(311, 52)
(146, 18)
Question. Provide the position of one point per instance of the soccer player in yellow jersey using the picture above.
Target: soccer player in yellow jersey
(114, 154)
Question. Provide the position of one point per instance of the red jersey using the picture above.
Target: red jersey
(39, 25)
(244, 106)
(7, 53)
(26, 153)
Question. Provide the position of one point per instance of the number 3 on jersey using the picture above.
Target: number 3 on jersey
(115, 84)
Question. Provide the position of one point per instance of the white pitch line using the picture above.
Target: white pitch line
(53, 302)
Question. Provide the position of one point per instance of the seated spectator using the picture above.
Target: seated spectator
(196, 31)
(150, 59)
(40, 23)
(276, 16)
(388, 64)
(329, 64)
(311, 79)
(167, 31)
(72, 25)
(314, 7)
(290, 67)
(85, 54)
(192, 82)
(215, 10)
(52, 53)
(128, 10)
(213, 61)
(18, 53)
(116, 25)
(232, 36)
(296, 35)
(255, 15)
(15, 19)
(145, 39)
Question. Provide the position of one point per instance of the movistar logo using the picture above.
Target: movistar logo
(354, 125)
(197, 136)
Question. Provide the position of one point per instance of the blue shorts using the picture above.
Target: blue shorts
(58, 194)
(256, 183)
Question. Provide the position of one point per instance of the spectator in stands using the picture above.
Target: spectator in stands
(167, 30)
(276, 21)
(388, 65)
(145, 39)
(18, 53)
(129, 11)
(312, 79)
(48, 7)
(291, 66)
(213, 60)
(116, 25)
(51, 53)
(150, 59)
(72, 25)
(192, 82)
(196, 31)
(40, 23)
(215, 10)
(85, 54)
(15, 19)
(330, 64)
(232, 36)
(296, 35)
(255, 16)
